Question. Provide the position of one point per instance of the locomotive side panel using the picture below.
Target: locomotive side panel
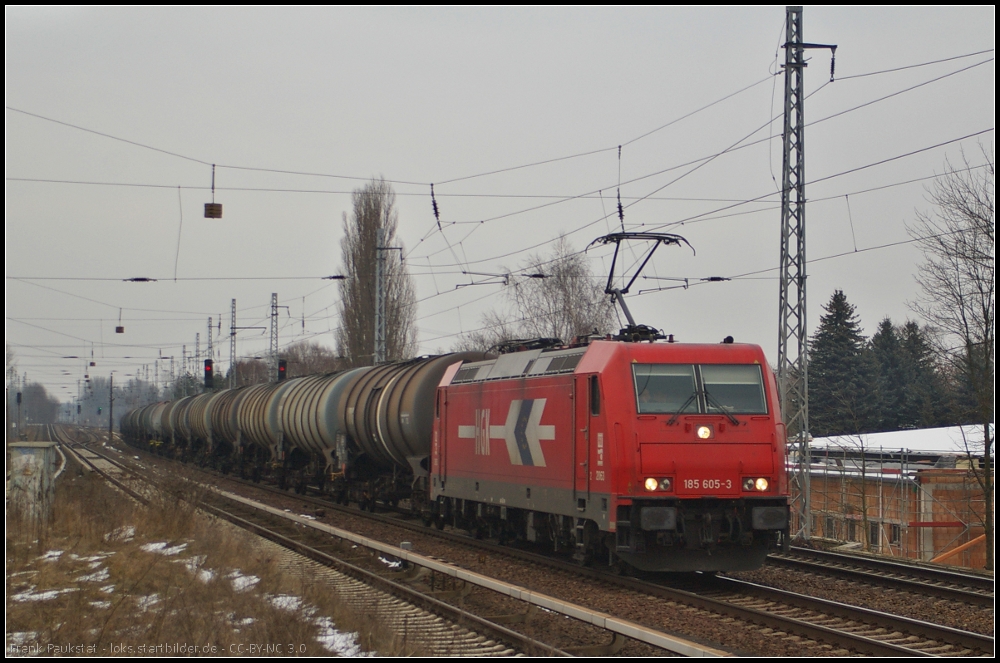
(509, 443)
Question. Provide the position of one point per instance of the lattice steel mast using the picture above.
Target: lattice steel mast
(232, 348)
(273, 356)
(793, 369)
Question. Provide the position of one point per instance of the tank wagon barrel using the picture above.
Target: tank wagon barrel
(198, 419)
(381, 415)
(179, 421)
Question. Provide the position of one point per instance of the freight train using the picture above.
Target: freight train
(654, 455)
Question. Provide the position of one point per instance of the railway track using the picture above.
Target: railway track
(925, 580)
(433, 625)
(839, 627)
(450, 629)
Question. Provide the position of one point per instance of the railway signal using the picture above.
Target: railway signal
(209, 374)
(282, 369)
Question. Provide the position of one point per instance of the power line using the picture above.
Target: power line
(914, 66)
(123, 308)
(701, 161)
(727, 207)
(39, 180)
(107, 135)
(170, 279)
(467, 177)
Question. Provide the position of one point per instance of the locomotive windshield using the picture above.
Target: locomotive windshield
(665, 387)
(706, 388)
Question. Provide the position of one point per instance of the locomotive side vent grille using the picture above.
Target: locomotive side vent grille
(564, 364)
(517, 365)
(466, 374)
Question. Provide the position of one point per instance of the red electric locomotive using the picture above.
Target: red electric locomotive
(662, 456)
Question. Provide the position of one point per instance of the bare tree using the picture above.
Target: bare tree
(310, 358)
(374, 208)
(958, 283)
(495, 329)
(249, 371)
(555, 296)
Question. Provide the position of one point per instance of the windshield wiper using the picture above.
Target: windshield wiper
(673, 419)
(712, 401)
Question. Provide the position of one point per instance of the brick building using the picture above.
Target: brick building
(915, 494)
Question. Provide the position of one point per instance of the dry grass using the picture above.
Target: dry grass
(164, 579)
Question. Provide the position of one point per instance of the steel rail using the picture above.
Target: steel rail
(951, 585)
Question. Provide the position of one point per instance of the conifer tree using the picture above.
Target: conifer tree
(927, 402)
(842, 372)
(893, 379)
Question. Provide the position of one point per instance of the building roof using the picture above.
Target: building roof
(944, 441)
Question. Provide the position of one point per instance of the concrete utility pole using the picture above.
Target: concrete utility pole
(793, 373)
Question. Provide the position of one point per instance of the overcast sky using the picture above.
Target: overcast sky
(334, 97)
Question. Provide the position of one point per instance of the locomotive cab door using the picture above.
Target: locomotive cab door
(581, 441)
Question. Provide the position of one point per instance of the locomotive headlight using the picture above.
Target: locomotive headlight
(703, 432)
(651, 484)
(666, 484)
(760, 484)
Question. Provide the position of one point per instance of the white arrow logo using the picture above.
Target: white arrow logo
(522, 432)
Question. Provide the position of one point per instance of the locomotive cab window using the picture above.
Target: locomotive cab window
(707, 389)
(734, 389)
(665, 388)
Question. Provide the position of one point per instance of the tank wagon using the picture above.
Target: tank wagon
(659, 456)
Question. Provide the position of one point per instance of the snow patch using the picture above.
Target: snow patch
(97, 576)
(193, 564)
(392, 564)
(162, 548)
(241, 582)
(21, 637)
(286, 602)
(123, 533)
(30, 594)
(332, 640)
(146, 602)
